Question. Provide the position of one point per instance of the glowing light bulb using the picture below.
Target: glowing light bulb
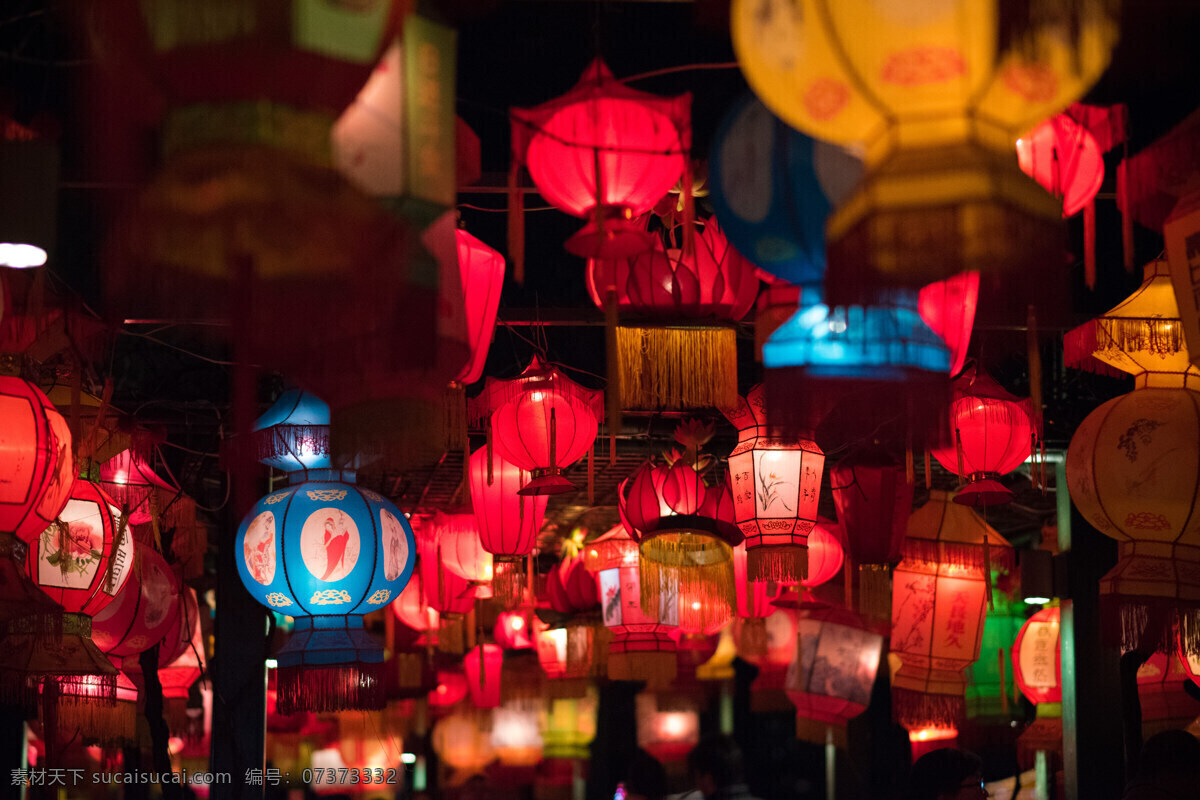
(537, 397)
(516, 623)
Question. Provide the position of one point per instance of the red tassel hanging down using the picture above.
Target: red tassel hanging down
(915, 710)
(338, 687)
(1089, 244)
(508, 582)
(516, 224)
(958, 447)
(987, 571)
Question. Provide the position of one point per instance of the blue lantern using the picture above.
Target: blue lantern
(772, 188)
(325, 552)
(294, 433)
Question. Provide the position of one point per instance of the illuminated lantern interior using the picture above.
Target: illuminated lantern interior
(460, 548)
(294, 433)
(570, 726)
(1036, 659)
(1063, 157)
(450, 690)
(667, 728)
(512, 631)
(607, 153)
(825, 553)
(36, 457)
(412, 609)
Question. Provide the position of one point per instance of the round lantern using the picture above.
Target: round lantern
(542, 422)
(516, 736)
(936, 105)
(830, 678)
(460, 549)
(442, 589)
(779, 650)
(606, 153)
(873, 498)
(482, 665)
(643, 643)
(412, 609)
(993, 435)
(35, 457)
(326, 552)
(1036, 661)
(948, 308)
(450, 690)
(508, 521)
(772, 188)
(667, 727)
(1063, 157)
(776, 484)
(1166, 704)
(688, 302)
(825, 553)
(463, 742)
(1149, 438)
(482, 271)
(753, 600)
(142, 613)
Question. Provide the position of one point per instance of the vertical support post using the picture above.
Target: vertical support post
(1041, 771)
(830, 765)
(725, 710)
(1093, 756)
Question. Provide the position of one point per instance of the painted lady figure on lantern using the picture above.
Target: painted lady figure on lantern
(329, 544)
(395, 548)
(259, 548)
(335, 548)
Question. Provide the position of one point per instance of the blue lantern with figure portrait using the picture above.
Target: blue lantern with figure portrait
(325, 552)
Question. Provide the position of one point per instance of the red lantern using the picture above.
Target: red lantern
(450, 690)
(482, 271)
(825, 554)
(1165, 701)
(512, 631)
(1062, 156)
(570, 588)
(604, 152)
(993, 432)
(948, 308)
(753, 600)
(643, 641)
(873, 498)
(508, 521)
(444, 591)
(140, 616)
(1036, 660)
(35, 458)
(483, 664)
(413, 611)
(667, 727)
(180, 662)
(776, 484)
(542, 422)
(830, 679)
(779, 650)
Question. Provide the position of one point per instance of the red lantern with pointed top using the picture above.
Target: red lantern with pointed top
(542, 422)
(606, 153)
(35, 458)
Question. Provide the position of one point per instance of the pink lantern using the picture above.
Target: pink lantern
(483, 664)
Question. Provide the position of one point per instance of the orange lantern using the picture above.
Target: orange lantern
(516, 736)
(463, 742)
(776, 484)
(606, 153)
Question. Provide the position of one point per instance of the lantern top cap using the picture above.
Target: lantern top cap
(537, 380)
(974, 381)
(127, 468)
(948, 534)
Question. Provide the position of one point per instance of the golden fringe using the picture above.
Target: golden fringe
(677, 368)
(679, 566)
(452, 635)
(508, 582)
(655, 667)
(875, 592)
(752, 643)
(783, 563)
(97, 723)
(1158, 336)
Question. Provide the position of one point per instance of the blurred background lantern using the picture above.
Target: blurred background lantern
(825, 553)
(990, 688)
(570, 726)
(482, 666)
(776, 483)
(767, 689)
(512, 631)
(643, 643)
(442, 590)
(1158, 423)
(831, 675)
(508, 521)
(411, 608)
(463, 742)
(668, 727)
(37, 459)
(482, 271)
(873, 498)
(181, 662)
(1166, 703)
(605, 153)
(541, 421)
(773, 187)
(516, 733)
(1036, 661)
(451, 689)
(326, 552)
(675, 339)
(943, 532)
(575, 647)
(460, 549)
(948, 308)
(911, 94)
(29, 165)
(753, 605)
(994, 433)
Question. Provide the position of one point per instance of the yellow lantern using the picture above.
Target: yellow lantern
(936, 105)
(569, 725)
(1133, 466)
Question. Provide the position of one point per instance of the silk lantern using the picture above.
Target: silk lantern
(512, 632)
(939, 602)
(36, 457)
(873, 499)
(461, 550)
(482, 665)
(326, 552)
(667, 727)
(675, 309)
(831, 676)
(825, 553)
(643, 643)
(1036, 662)
(160, 504)
(1149, 438)
(482, 271)
(780, 650)
(776, 483)
(140, 616)
(1165, 702)
(606, 153)
(181, 662)
(772, 188)
(508, 521)
(935, 97)
(994, 433)
(575, 646)
(541, 421)
(948, 308)
(451, 596)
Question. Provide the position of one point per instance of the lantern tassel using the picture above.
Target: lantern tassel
(508, 581)
(753, 641)
(689, 210)
(781, 563)
(338, 687)
(516, 224)
(875, 592)
(910, 472)
(928, 472)
(848, 580)
(914, 709)
(958, 449)
(103, 723)
(677, 368)
(613, 360)
(1089, 244)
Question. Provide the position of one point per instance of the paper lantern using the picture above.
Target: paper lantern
(508, 521)
(450, 690)
(412, 610)
(667, 728)
(1166, 705)
(181, 661)
(444, 591)
(872, 497)
(326, 552)
(1063, 157)
(825, 554)
(512, 631)
(686, 533)
(945, 532)
(606, 153)
(1036, 661)
(831, 676)
(1148, 438)
(772, 188)
(571, 654)
(542, 422)
(463, 743)
(776, 483)
(570, 726)
(150, 500)
(753, 605)
(460, 548)
(140, 616)
(948, 308)
(993, 435)
(482, 279)
(941, 194)
(36, 458)
(678, 311)
(516, 736)
(570, 588)
(643, 643)
(482, 665)
(294, 433)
